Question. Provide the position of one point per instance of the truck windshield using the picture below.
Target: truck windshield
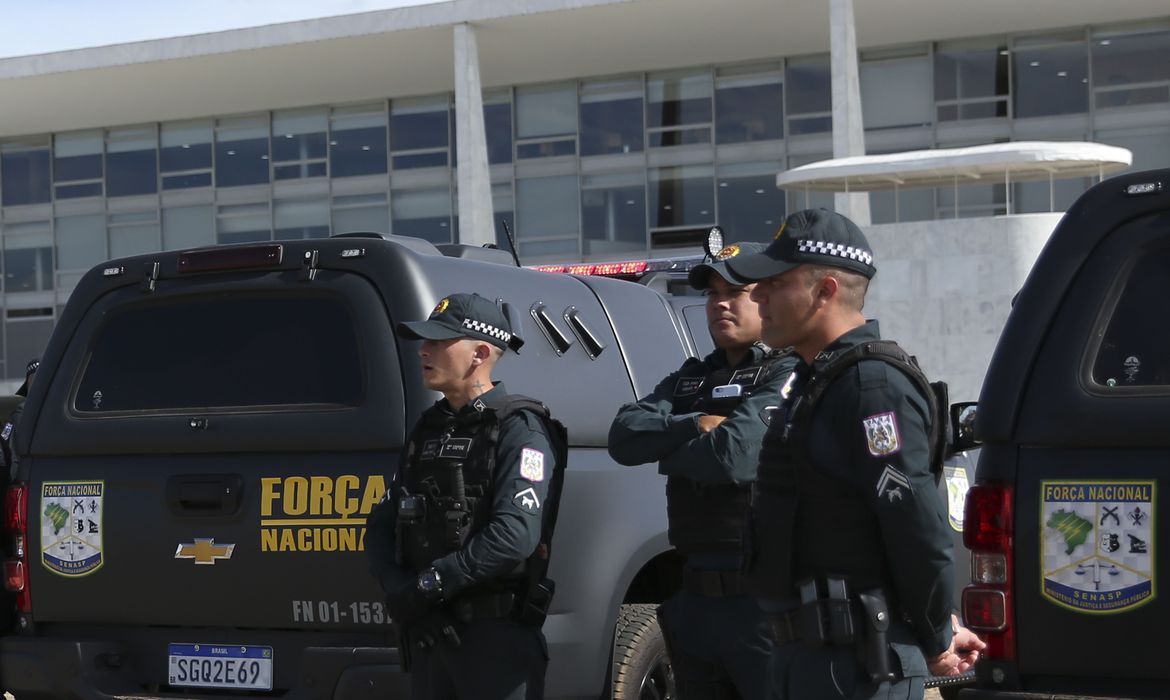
(222, 352)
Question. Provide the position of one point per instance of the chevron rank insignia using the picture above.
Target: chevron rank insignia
(891, 483)
(881, 434)
(527, 500)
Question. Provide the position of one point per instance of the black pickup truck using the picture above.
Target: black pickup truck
(1064, 521)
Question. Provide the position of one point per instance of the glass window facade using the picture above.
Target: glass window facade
(357, 140)
(131, 161)
(1130, 68)
(1050, 78)
(971, 81)
(25, 338)
(241, 151)
(678, 108)
(299, 144)
(185, 154)
(546, 121)
(611, 117)
(601, 167)
(77, 165)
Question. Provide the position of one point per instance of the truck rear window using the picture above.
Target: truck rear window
(222, 352)
(1135, 350)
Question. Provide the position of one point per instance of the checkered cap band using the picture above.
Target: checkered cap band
(835, 249)
(487, 329)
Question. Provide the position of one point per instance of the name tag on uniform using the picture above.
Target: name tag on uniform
(455, 448)
(746, 377)
(688, 385)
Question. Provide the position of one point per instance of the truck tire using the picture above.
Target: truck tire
(641, 668)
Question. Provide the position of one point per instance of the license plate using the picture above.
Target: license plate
(220, 666)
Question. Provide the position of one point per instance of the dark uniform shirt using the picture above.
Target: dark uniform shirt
(650, 430)
(511, 532)
(868, 435)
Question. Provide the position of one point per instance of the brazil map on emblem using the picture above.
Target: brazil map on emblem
(71, 526)
(1097, 544)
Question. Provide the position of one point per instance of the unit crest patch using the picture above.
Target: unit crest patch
(441, 307)
(1096, 544)
(881, 434)
(71, 526)
(532, 464)
(729, 252)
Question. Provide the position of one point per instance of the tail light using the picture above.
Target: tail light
(987, 600)
(16, 565)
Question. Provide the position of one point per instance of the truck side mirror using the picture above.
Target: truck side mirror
(963, 426)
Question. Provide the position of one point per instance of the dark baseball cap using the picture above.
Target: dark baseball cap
(813, 237)
(29, 370)
(464, 316)
(700, 275)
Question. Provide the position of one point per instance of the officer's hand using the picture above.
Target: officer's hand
(708, 423)
(437, 627)
(406, 605)
(961, 655)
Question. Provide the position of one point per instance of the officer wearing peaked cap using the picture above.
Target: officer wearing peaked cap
(703, 425)
(461, 542)
(853, 559)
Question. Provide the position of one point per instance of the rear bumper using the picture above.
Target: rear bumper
(36, 668)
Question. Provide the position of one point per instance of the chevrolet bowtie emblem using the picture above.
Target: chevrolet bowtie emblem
(204, 551)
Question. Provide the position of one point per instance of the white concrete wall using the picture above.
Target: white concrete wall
(943, 289)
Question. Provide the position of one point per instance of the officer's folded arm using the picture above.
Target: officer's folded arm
(645, 432)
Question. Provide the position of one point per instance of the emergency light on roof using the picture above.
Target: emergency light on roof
(241, 258)
(632, 267)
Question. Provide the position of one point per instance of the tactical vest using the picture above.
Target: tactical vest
(450, 461)
(711, 517)
(810, 524)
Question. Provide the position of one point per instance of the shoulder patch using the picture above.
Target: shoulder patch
(532, 464)
(881, 434)
(7, 433)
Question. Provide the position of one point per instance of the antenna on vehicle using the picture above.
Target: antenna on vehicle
(511, 241)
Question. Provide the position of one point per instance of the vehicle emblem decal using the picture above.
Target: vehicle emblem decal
(1095, 544)
(204, 550)
(527, 500)
(532, 464)
(440, 307)
(891, 483)
(71, 526)
(881, 434)
(957, 487)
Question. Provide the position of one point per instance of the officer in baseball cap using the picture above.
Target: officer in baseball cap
(860, 438)
(461, 543)
(702, 425)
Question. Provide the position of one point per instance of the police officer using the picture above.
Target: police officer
(703, 425)
(460, 544)
(853, 557)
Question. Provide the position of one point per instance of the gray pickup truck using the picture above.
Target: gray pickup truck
(210, 428)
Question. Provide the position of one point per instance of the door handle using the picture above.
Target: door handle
(205, 494)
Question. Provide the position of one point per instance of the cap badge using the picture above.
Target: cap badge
(780, 231)
(441, 307)
(729, 252)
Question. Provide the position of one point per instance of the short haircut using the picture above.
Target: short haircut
(852, 286)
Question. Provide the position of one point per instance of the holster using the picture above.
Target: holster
(532, 607)
(826, 614)
(876, 649)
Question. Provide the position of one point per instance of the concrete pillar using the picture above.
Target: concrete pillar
(848, 129)
(474, 180)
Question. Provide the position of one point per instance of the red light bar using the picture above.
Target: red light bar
(242, 258)
(632, 267)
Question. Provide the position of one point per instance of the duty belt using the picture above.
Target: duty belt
(785, 626)
(484, 606)
(714, 584)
